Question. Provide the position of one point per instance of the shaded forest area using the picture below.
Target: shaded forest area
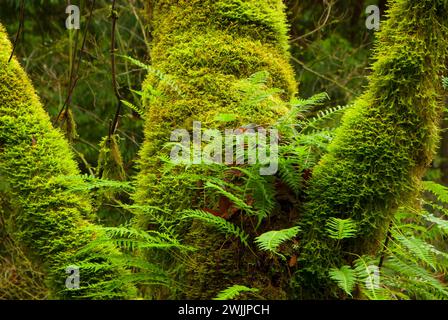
(114, 141)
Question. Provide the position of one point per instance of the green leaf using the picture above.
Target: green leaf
(233, 292)
(270, 241)
(441, 192)
(341, 228)
(345, 277)
(220, 223)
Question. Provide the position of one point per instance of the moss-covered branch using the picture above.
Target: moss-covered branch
(49, 222)
(387, 140)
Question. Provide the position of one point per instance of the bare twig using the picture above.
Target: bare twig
(76, 66)
(323, 76)
(328, 10)
(19, 31)
(114, 124)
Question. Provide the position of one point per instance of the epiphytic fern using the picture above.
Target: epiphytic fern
(345, 277)
(341, 228)
(221, 224)
(271, 241)
(233, 292)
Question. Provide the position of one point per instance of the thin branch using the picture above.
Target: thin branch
(75, 72)
(323, 76)
(324, 23)
(19, 31)
(114, 124)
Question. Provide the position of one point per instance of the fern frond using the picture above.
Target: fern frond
(233, 292)
(135, 108)
(290, 175)
(271, 240)
(440, 223)
(92, 183)
(221, 224)
(261, 189)
(326, 114)
(159, 74)
(424, 252)
(303, 104)
(445, 83)
(440, 191)
(260, 77)
(238, 202)
(341, 228)
(345, 277)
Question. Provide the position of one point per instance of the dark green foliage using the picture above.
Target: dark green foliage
(330, 45)
(47, 222)
(384, 145)
(46, 51)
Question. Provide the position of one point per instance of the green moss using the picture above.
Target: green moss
(110, 162)
(50, 223)
(208, 48)
(384, 145)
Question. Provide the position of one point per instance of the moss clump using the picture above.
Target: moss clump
(384, 145)
(49, 222)
(110, 161)
(208, 49)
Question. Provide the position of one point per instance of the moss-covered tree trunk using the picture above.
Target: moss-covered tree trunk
(384, 145)
(207, 48)
(36, 170)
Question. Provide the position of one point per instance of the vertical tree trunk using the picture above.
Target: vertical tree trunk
(35, 162)
(384, 145)
(207, 47)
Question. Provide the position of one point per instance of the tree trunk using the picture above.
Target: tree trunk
(384, 145)
(36, 169)
(208, 48)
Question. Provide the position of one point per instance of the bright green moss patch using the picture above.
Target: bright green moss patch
(47, 221)
(384, 145)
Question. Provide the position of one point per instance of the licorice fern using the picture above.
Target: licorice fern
(341, 228)
(345, 277)
(159, 74)
(233, 292)
(271, 241)
(221, 224)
